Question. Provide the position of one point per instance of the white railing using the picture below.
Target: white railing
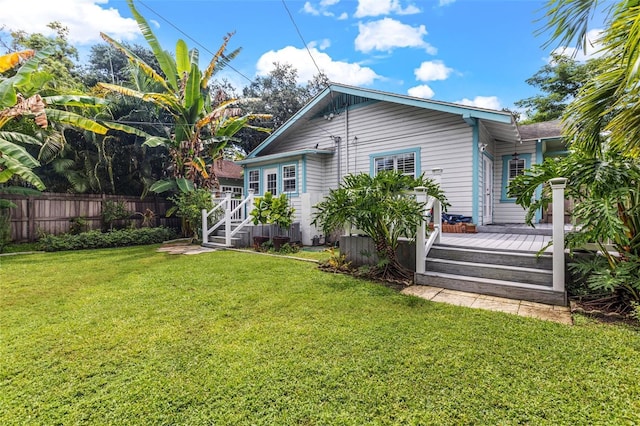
(234, 214)
(424, 244)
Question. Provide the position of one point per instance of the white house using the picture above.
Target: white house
(347, 130)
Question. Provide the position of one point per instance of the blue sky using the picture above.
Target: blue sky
(478, 52)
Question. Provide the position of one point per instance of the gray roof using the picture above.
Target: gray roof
(544, 130)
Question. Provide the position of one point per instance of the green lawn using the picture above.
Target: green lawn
(131, 336)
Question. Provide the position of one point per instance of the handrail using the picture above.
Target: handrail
(232, 215)
(423, 247)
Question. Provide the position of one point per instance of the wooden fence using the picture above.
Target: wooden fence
(52, 213)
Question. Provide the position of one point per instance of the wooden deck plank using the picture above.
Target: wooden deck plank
(495, 241)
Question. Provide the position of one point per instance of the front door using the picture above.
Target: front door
(271, 180)
(487, 211)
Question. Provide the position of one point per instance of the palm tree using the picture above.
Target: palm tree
(607, 110)
(200, 131)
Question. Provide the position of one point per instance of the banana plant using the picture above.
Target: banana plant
(20, 97)
(200, 131)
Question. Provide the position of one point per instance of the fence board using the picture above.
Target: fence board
(52, 213)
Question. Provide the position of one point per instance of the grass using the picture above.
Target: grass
(131, 336)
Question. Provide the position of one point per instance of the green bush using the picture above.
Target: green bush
(97, 239)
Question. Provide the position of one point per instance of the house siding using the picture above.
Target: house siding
(444, 140)
(440, 139)
(508, 212)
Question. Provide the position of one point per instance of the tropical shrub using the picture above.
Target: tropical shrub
(188, 206)
(381, 207)
(607, 193)
(113, 211)
(115, 238)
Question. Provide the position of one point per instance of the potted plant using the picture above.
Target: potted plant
(281, 215)
(260, 214)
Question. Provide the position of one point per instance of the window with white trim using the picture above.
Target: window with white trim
(272, 183)
(254, 180)
(289, 178)
(516, 168)
(511, 169)
(404, 163)
(236, 191)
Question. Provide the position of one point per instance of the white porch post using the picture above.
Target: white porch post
(421, 197)
(437, 207)
(227, 219)
(557, 186)
(205, 229)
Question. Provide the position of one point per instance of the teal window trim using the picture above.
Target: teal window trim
(281, 167)
(246, 179)
(505, 174)
(475, 168)
(416, 159)
(304, 174)
(280, 185)
(539, 160)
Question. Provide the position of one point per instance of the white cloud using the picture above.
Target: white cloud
(422, 91)
(343, 16)
(308, 8)
(324, 44)
(445, 2)
(387, 34)
(338, 71)
(488, 102)
(383, 7)
(84, 18)
(594, 48)
(432, 71)
(322, 8)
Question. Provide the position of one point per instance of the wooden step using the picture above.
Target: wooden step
(486, 270)
(492, 257)
(492, 287)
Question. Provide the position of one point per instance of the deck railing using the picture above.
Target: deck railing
(424, 244)
(233, 213)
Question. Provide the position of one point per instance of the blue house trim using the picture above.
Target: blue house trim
(300, 180)
(539, 160)
(467, 112)
(475, 168)
(505, 175)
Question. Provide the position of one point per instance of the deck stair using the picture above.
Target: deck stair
(496, 272)
(240, 239)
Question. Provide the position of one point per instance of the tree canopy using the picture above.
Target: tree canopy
(560, 81)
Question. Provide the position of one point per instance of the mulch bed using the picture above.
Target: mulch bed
(608, 309)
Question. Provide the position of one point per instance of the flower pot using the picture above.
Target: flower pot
(278, 242)
(258, 241)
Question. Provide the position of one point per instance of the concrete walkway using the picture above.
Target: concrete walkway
(560, 314)
(183, 247)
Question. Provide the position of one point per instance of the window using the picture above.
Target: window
(236, 191)
(254, 180)
(516, 168)
(404, 163)
(272, 182)
(512, 168)
(289, 178)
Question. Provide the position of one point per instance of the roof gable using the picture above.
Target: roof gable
(327, 100)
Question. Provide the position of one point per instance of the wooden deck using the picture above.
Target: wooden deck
(494, 241)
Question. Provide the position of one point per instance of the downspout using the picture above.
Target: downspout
(346, 133)
(337, 139)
